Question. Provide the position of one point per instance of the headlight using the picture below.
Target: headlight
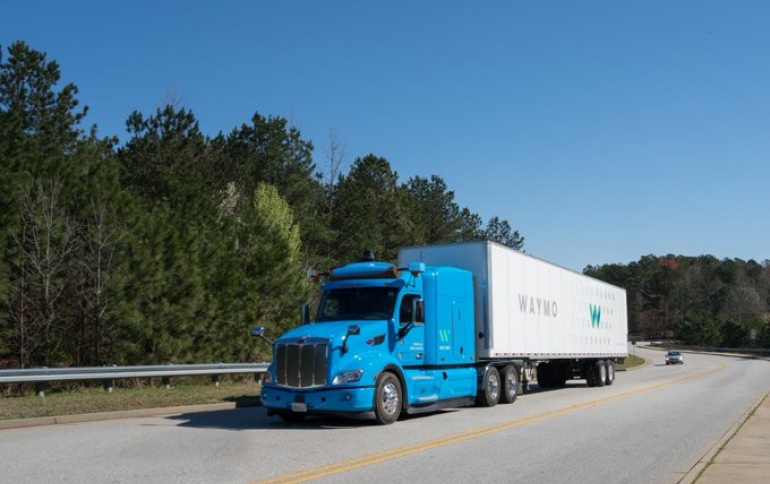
(348, 377)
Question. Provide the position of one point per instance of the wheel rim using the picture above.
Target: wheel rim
(510, 380)
(390, 398)
(493, 386)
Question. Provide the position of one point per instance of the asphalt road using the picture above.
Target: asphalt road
(651, 426)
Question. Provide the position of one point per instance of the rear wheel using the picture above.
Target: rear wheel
(387, 398)
(510, 379)
(544, 375)
(610, 372)
(489, 393)
(600, 376)
(560, 370)
(589, 372)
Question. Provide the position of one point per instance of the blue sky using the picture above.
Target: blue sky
(602, 130)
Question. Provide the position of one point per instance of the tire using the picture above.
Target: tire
(610, 373)
(489, 393)
(600, 376)
(544, 375)
(588, 373)
(388, 398)
(559, 376)
(510, 384)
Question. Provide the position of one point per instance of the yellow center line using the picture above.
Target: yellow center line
(367, 460)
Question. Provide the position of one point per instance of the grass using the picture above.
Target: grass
(81, 400)
(631, 362)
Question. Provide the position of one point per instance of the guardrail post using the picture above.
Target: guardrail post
(40, 388)
(215, 380)
(166, 382)
(108, 385)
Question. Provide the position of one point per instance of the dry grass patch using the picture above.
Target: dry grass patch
(90, 399)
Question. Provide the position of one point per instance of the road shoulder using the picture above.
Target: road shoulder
(742, 455)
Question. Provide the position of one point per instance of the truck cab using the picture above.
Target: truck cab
(385, 340)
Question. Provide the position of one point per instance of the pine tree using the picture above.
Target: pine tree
(269, 150)
(436, 215)
(37, 205)
(372, 211)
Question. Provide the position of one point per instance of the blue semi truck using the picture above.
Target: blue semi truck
(449, 325)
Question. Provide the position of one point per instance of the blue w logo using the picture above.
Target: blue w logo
(596, 315)
(444, 335)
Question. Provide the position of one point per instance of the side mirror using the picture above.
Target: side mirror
(314, 275)
(353, 330)
(260, 332)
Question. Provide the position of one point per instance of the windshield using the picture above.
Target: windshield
(357, 303)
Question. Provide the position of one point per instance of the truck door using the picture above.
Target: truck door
(410, 346)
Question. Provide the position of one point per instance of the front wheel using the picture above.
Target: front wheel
(387, 398)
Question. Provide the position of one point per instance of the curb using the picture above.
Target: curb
(705, 461)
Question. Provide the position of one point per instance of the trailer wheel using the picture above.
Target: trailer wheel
(559, 375)
(489, 393)
(387, 398)
(600, 375)
(610, 372)
(589, 373)
(545, 375)
(510, 379)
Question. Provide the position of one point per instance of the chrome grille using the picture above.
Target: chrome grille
(301, 364)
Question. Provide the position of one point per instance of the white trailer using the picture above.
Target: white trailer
(566, 324)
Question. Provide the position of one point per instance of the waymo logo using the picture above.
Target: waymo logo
(443, 335)
(596, 315)
(537, 306)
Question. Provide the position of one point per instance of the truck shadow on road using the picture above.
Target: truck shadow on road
(255, 418)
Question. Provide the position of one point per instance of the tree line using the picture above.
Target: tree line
(169, 246)
(699, 300)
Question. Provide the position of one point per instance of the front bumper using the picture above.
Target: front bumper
(335, 400)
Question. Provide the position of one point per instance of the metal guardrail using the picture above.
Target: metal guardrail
(41, 376)
(735, 351)
(762, 352)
